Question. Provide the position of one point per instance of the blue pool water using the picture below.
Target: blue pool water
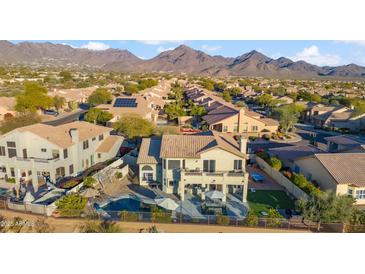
(127, 204)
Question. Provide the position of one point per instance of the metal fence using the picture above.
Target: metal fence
(222, 220)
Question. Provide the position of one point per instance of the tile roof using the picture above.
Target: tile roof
(294, 152)
(108, 143)
(149, 152)
(60, 135)
(344, 140)
(191, 146)
(345, 168)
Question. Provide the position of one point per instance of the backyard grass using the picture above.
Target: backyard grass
(263, 200)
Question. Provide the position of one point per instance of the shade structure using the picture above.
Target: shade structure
(214, 194)
(166, 203)
(90, 193)
(28, 198)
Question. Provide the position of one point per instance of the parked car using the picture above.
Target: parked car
(50, 112)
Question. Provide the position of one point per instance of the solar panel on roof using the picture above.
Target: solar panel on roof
(125, 103)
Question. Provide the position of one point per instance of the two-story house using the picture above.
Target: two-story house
(194, 164)
(40, 153)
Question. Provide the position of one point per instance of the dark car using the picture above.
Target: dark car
(50, 112)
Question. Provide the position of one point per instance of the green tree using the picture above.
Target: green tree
(96, 115)
(174, 110)
(59, 102)
(275, 163)
(19, 121)
(220, 87)
(71, 205)
(65, 75)
(33, 98)
(130, 88)
(226, 96)
(288, 115)
(100, 96)
(133, 125)
(197, 110)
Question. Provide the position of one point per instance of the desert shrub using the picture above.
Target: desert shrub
(89, 182)
(263, 155)
(40, 226)
(252, 219)
(119, 175)
(71, 205)
(100, 227)
(275, 163)
(129, 216)
(70, 184)
(160, 216)
(223, 220)
(274, 218)
(10, 180)
(300, 181)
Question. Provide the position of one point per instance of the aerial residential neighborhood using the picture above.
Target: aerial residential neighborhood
(165, 142)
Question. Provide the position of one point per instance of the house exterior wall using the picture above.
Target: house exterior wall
(174, 180)
(40, 159)
(245, 124)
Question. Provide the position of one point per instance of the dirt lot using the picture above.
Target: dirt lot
(72, 225)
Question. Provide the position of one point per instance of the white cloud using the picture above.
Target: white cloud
(355, 42)
(210, 48)
(162, 49)
(160, 42)
(314, 56)
(95, 46)
(142, 57)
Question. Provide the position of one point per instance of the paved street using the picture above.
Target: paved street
(67, 118)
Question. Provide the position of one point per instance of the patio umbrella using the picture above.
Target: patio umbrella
(214, 194)
(28, 198)
(167, 203)
(90, 193)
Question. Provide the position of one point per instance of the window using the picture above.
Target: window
(183, 164)
(55, 154)
(99, 155)
(12, 172)
(235, 127)
(171, 183)
(225, 128)
(71, 169)
(10, 144)
(43, 149)
(29, 172)
(360, 194)
(85, 144)
(237, 165)
(255, 128)
(101, 137)
(209, 165)
(12, 152)
(25, 154)
(65, 153)
(350, 192)
(2, 151)
(173, 164)
(93, 139)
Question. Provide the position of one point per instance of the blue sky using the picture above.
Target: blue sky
(316, 52)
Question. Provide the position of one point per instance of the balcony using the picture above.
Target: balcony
(201, 177)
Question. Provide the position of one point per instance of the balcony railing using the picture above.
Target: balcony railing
(233, 173)
(38, 160)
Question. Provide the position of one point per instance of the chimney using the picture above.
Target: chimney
(241, 116)
(74, 133)
(242, 141)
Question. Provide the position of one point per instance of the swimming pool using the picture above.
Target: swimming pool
(121, 204)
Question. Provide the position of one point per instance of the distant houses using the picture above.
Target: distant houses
(228, 118)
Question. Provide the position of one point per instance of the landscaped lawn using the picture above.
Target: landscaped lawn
(262, 200)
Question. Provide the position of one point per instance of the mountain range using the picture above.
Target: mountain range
(182, 59)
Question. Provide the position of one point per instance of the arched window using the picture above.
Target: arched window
(147, 168)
